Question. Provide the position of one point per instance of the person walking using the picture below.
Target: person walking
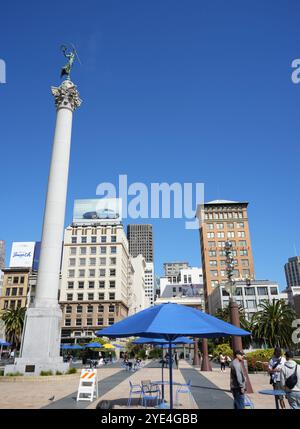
(290, 380)
(222, 360)
(274, 368)
(176, 358)
(238, 380)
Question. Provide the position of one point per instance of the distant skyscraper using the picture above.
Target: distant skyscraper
(222, 221)
(2, 254)
(292, 271)
(140, 239)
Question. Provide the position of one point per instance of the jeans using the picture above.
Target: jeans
(294, 399)
(239, 399)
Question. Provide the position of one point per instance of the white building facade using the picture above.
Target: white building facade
(96, 278)
(249, 296)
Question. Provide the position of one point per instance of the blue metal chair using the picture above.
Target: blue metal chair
(185, 389)
(150, 392)
(135, 389)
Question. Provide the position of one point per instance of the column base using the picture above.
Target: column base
(40, 350)
(34, 367)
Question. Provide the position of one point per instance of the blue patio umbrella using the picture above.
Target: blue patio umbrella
(65, 346)
(170, 321)
(165, 345)
(93, 345)
(76, 347)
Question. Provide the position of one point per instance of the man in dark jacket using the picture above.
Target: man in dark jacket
(238, 380)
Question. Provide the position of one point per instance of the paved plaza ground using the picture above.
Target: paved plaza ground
(210, 390)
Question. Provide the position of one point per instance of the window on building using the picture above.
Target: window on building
(102, 261)
(89, 321)
(112, 296)
(101, 296)
(89, 308)
(68, 309)
(210, 235)
(70, 285)
(262, 291)
(112, 284)
(251, 304)
(111, 308)
(16, 280)
(113, 249)
(101, 284)
(81, 273)
(214, 273)
(103, 250)
(220, 234)
(113, 261)
(20, 291)
(90, 296)
(7, 292)
(230, 225)
(82, 250)
(103, 239)
(113, 238)
(80, 297)
(102, 272)
(5, 304)
(220, 225)
(9, 280)
(213, 263)
(92, 273)
(92, 261)
(211, 244)
(230, 234)
(224, 293)
(244, 252)
(249, 291)
(93, 239)
(80, 285)
(212, 253)
(79, 309)
(210, 226)
(83, 240)
(68, 322)
(93, 250)
(242, 243)
(100, 308)
(274, 291)
(73, 250)
(111, 320)
(78, 322)
(112, 272)
(221, 243)
(22, 279)
(240, 224)
(91, 285)
(82, 262)
(241, 234)
(69, 297)
(100, 321)
(246, 273)
(72, 262)
(74, 240)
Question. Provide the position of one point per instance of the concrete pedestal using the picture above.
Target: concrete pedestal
(41, 343)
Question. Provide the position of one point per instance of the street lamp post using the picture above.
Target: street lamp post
(233, 306)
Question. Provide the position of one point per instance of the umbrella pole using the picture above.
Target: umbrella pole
(162, 377)
(1, 352)
(171, 375)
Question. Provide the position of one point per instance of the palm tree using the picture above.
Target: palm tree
(273, 324)
(224, 314)
(14, 321)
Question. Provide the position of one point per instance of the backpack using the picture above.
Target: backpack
(292, 380)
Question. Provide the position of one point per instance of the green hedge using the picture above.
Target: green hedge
(263, 355)
(225, 349)
(155, 354)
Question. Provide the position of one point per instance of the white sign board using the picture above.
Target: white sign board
(105, 210)
(88, 385)
(22, 254)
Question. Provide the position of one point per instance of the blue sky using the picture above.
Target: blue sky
(174, 91)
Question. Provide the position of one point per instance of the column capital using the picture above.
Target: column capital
(66, 96)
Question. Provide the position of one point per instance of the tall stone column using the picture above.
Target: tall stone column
(40, 348)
